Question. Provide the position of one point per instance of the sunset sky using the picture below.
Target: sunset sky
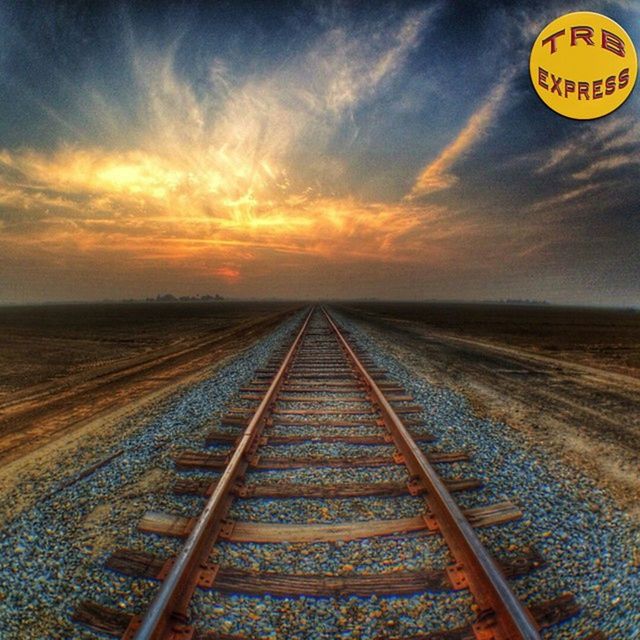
(306, 150)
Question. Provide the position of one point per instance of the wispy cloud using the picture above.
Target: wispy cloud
(438, 173)
(569, 195)
(210, 173)
(592, 145)
(605, 145)
(607, 164)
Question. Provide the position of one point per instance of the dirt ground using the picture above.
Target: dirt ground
(568, 379)
(69, 375)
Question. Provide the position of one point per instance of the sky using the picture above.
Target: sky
(306, 150)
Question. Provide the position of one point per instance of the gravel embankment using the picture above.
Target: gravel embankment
(587, 542)
(52, 555)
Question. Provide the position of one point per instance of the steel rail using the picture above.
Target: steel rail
(175, 591)
(499, 606)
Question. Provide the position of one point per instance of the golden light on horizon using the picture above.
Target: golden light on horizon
(140, 199)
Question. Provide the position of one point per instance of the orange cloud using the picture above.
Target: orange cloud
(137, 197)
(213, 179)
(228, 273)
(437, 174)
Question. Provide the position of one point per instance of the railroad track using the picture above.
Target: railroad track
(323, 409)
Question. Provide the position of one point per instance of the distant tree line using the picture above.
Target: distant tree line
(169, 297)
(523, 302)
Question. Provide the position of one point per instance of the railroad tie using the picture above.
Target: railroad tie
(284, 490)
(233, 580)
(175, 525)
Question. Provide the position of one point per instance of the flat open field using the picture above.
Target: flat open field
(63, 365)
(606, 338)
(568, 378)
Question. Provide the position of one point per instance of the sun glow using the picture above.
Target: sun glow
(212, 181)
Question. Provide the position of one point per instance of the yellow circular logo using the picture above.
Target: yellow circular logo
(583, 65)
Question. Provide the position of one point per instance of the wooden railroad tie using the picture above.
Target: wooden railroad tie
(215, 437)
(276, 490)
(243, 421)
(117, 623)
(214, 461)
(174, 525)
(343, 412)
(232, 580)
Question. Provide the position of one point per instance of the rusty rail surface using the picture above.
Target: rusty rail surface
(169, 605)
(500, 609)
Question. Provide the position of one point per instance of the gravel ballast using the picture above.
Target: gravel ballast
(53, 555)
(587, 542)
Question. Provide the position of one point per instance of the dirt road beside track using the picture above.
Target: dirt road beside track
(37, 414)
(588, 415)
(79, 382)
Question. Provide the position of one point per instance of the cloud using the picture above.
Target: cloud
(569, 195)
(607, 164)
(592, 145)
(203, 174)
(244, 133)
(605, 145)
(437, 175)
(228, 273)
